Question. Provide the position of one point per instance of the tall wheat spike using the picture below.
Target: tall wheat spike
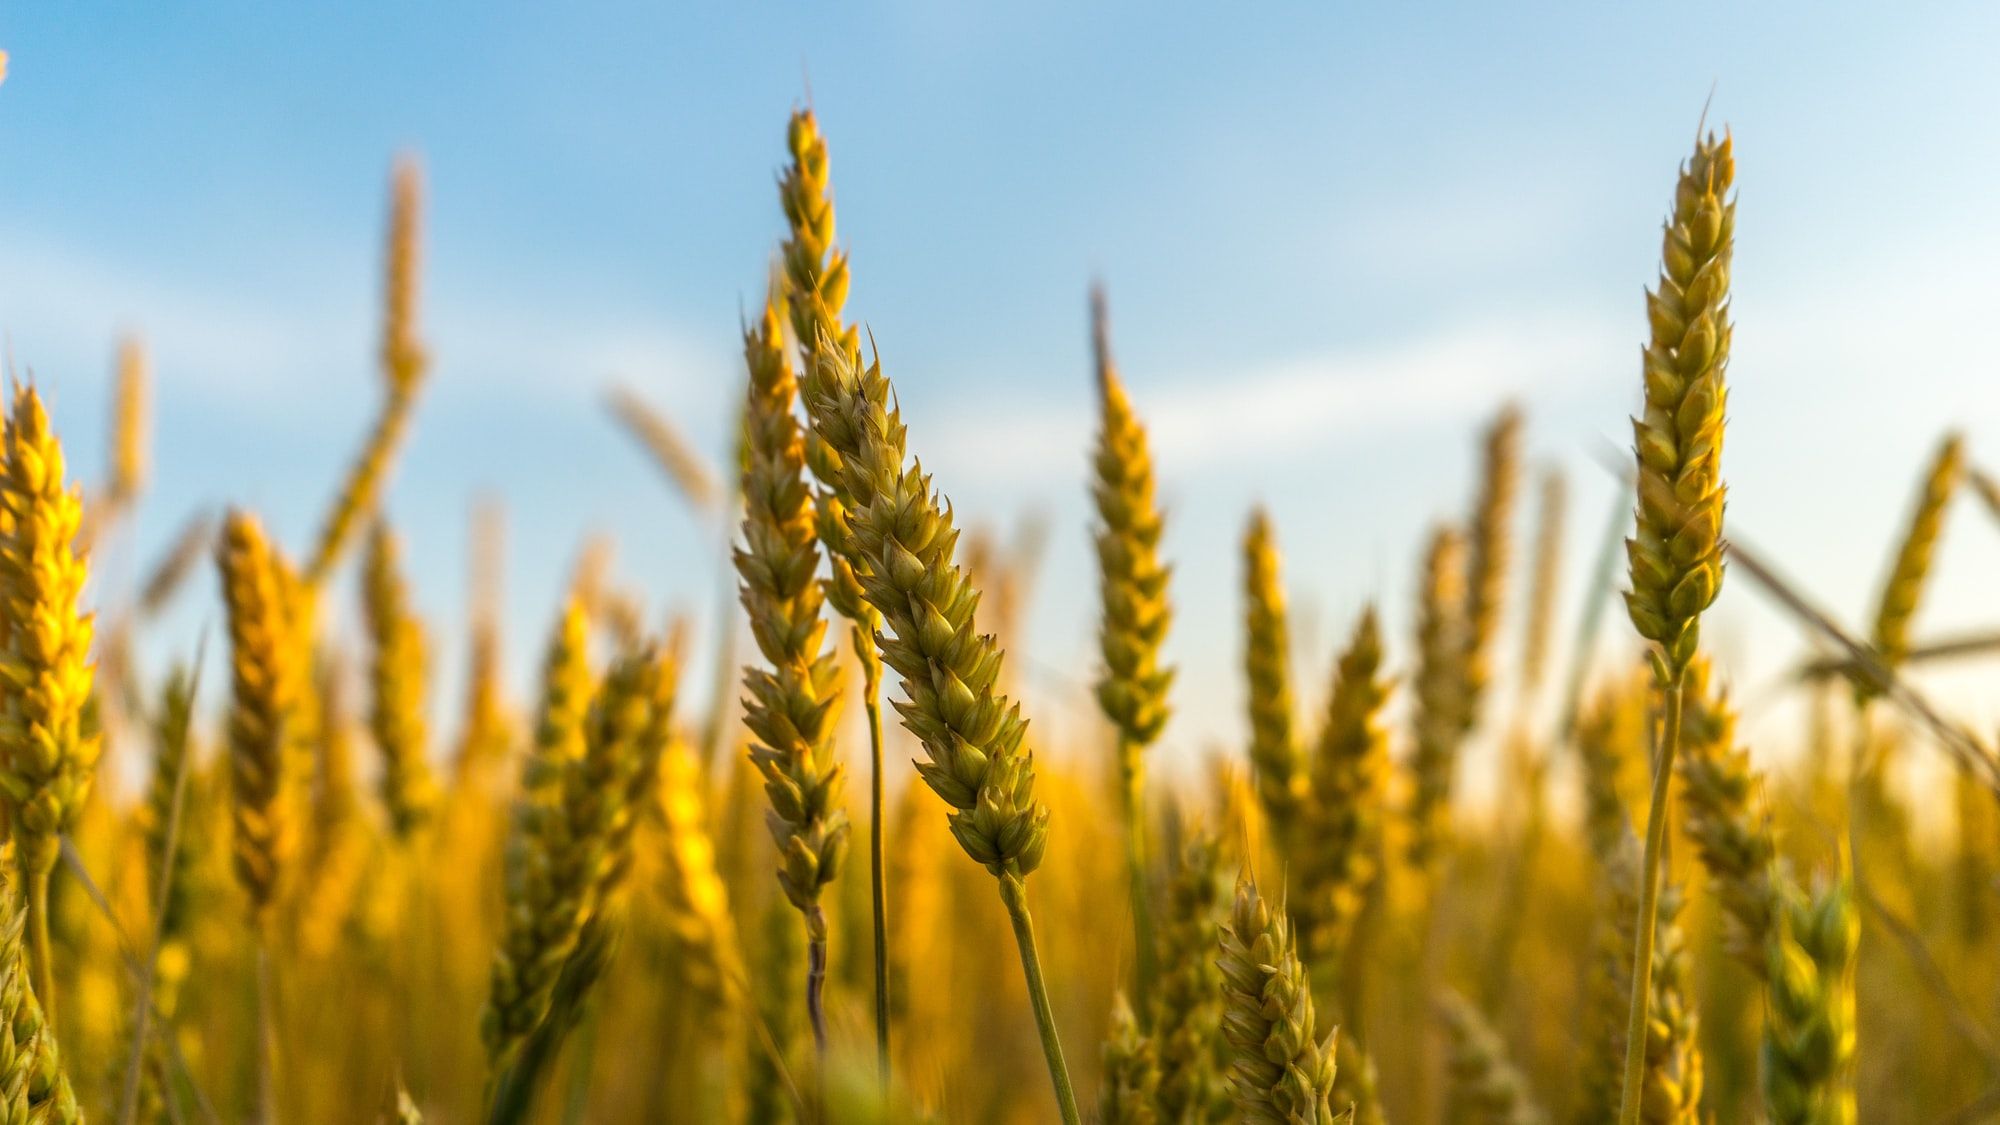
(1349, 780)
(49, 743)
(1277, 761)
(1549, 530)
(34, 1088)
(126, 476)
(1675, 555)
(1908, 574)
(263, 715)
(1132, 585)
(404, 364)
(1489, 550)
(398, 668)
(793, 707)
(971, 734)
(1438, 685)
(816, 281)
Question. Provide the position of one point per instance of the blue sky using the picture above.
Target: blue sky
(1335, 236)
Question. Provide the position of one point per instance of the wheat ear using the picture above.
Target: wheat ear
(1131, 1071)
(971, 734)
(404, 364)
(1187, 999)
(1278, 1073)
(1675, 555)
(816, 280)
(264, 689)
(1132, 584)
(1486, 1086)
(1489, 544)
(33, 1085)
(1277, 761)
(49, 743)
(1727, 821)
(1438, 686)
(793, 706)
(1890, 635)
(398, 667)
(1344, 820)
(1809, 1035)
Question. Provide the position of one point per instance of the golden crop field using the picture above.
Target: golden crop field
(624, 896)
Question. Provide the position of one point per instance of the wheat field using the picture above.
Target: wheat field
(619, 893)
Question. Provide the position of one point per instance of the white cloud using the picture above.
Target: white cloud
(1438, 377)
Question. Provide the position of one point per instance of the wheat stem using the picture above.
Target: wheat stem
(1649, 901)
(41, 967)
(871, 702)
(1014, 892)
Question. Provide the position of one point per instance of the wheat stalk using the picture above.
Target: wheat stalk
(1675, 555)
(1132, 585)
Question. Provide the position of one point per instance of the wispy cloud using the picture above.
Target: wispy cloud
(1436, 377)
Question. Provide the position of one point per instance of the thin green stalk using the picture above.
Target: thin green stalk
(41, 969)
(1014, 892)
(1132, 789)
(871, 702)
(1649, 901)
